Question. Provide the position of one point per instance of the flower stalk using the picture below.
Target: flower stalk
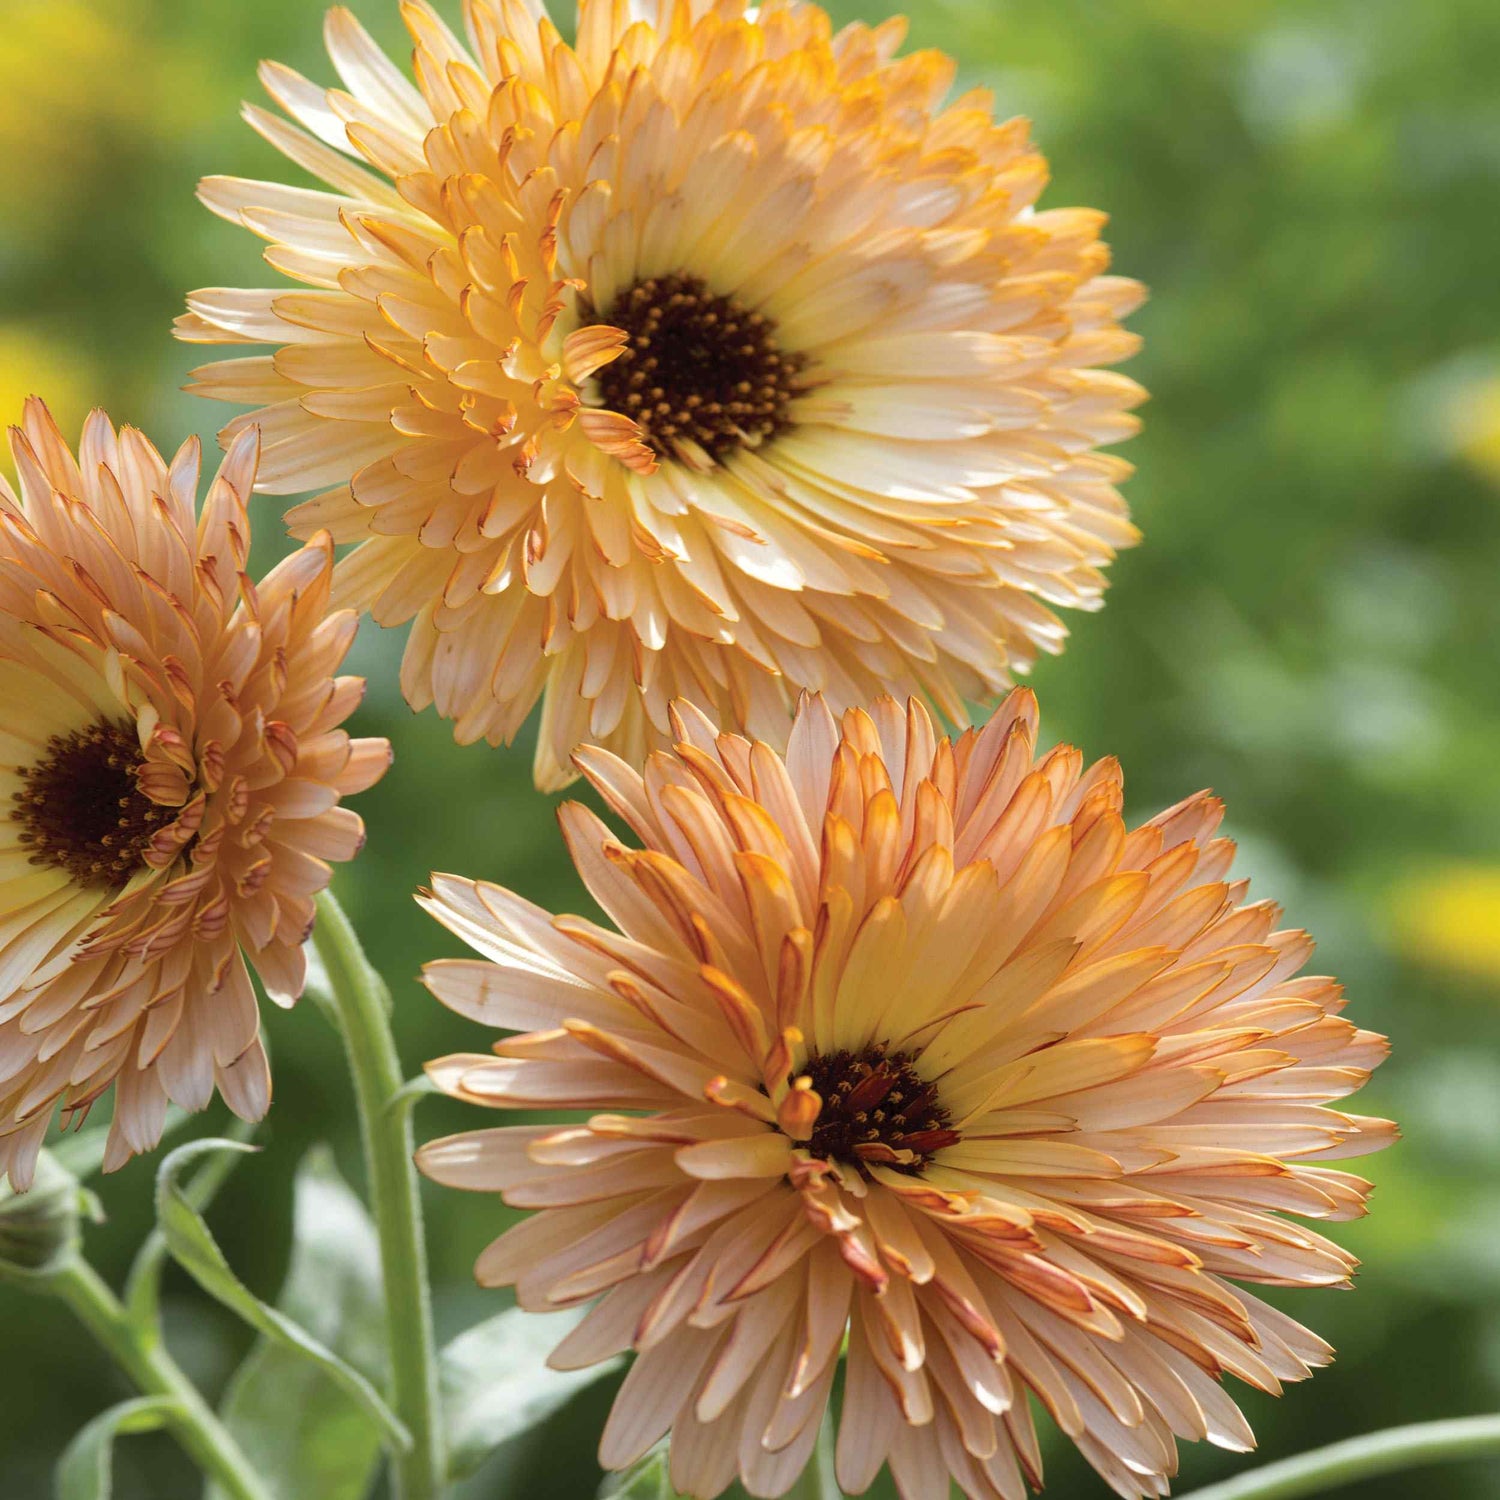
(140, 1353)
(1366, 1457)
(360, 1003)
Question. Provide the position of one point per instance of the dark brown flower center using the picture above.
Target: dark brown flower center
(698, 366)
(80, 809)
(875, 1106)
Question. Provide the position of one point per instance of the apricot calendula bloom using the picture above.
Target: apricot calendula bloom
(909, 1039)
(712, 357)
(171, 764)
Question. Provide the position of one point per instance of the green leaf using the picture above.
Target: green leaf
(646, 1480)
(143, 1286)
(305, 1435)
(495, 1383)
(85, 1470)
(194, 1248)
(412, 1093)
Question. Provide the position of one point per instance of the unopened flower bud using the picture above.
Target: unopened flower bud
(40, 1229)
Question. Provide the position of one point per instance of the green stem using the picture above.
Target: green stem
(1362, 1458)
(156, 1373)
(362, 1003)
(818, 1481)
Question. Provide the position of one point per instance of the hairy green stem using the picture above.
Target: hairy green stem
(361, 1003)
(146, 1361)
(1362, 1458)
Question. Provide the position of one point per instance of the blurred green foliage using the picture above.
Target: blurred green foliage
(1312, 191)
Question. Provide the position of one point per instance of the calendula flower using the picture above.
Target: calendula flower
(171, 764)
(712, 356)
(909, 1041)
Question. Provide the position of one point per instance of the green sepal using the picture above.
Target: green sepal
(41, 1230)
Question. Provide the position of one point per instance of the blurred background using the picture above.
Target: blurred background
(1312, 191)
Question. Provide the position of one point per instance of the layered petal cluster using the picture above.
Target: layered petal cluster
(913, 1041)
(714, 356)
(172, 759)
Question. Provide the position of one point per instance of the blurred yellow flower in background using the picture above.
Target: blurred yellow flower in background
(1450, 916)
(1478, 433)
(93, 71)
(30, 362)
(102, 74)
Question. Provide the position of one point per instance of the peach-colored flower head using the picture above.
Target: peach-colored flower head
(171, 764)
(909, 1040)
(714, 356)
